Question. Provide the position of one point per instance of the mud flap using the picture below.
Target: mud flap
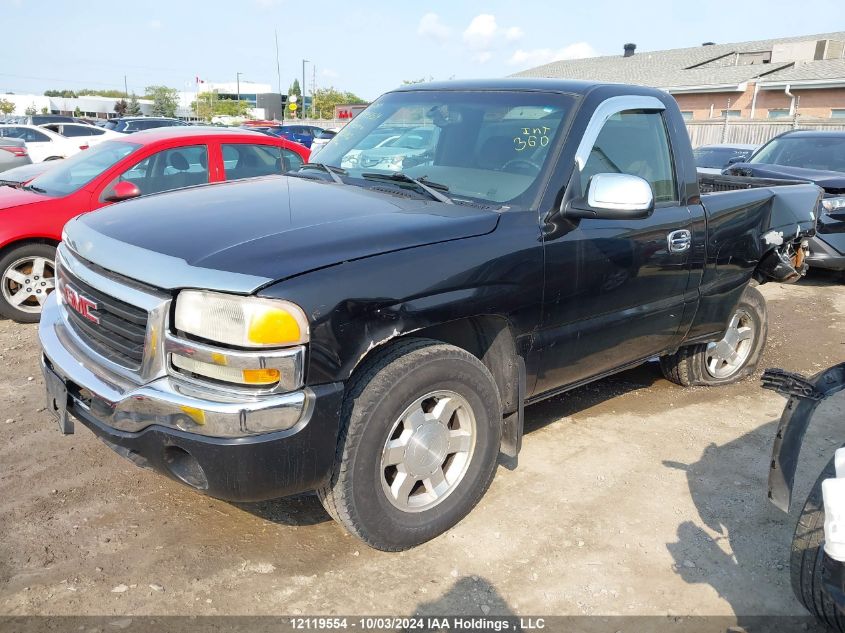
(804, 395)
(514, 423)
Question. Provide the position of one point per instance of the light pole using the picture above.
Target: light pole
(238, 80)
(304, 61)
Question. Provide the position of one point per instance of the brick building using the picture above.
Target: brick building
(766, 79)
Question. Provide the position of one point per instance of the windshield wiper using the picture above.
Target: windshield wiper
(422, 183)
(331, 170)
(34, 188)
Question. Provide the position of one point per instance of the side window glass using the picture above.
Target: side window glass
(290, 160)
(244, 160)
(35, 136)
(169, 169)
(634, 143)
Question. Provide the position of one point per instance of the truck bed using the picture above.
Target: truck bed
(714, 183)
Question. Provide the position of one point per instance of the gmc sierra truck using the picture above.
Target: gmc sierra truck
(372, 328)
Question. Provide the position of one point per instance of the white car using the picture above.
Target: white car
(43, 144)
(322, 139)
(82, 132)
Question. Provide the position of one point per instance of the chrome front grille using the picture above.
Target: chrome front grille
(119, 321)
(116, 329)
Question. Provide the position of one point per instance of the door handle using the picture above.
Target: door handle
(679, 241)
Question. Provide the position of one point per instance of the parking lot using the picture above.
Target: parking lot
(628, 479)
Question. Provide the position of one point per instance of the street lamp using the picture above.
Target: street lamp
(304, 61)
(238, 80)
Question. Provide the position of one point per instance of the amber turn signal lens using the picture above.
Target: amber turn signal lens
(261, 376)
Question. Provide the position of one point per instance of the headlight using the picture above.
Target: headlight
(240, 321)
(834, 204)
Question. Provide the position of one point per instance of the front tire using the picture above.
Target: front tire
(730, 359)
(421, 429)
(27, 276)
(805, 561)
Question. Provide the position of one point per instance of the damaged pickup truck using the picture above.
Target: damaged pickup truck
(374, 333)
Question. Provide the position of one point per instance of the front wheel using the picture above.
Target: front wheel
(421, 429)
(730, 359)
(27, 276)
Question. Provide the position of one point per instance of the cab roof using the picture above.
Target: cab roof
(528, 84)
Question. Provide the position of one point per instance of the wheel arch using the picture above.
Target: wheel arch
(8, 246)
(487, 337)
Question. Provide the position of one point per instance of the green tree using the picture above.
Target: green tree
(101, 93)
(120, 107)
(6, 107)
(45, 110)
(208, 104)
(30, 110)
(77, 111)
(295, 89)
(325, 100)
(165, 100)
(134, 108)
(67, 94)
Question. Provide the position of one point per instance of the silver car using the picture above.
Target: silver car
(13, 153)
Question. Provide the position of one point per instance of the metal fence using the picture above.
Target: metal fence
(751, 132)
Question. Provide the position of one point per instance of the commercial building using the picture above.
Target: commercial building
(765, 79)
(263, 102)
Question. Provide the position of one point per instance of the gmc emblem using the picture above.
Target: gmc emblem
(80, 303)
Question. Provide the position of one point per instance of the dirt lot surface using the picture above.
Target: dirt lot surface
(633, 496)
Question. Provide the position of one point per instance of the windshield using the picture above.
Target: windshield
(489, 147)
(718, 157)
(810, 152)
(77, 171)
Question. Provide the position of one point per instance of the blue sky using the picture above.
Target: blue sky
(366, 46)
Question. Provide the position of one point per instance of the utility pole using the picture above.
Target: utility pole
(279, 72)
(125, 87)
(313, 91)
(304, 61)
(238, 79)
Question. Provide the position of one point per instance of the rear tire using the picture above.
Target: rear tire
(729, 360)
(421, 427)
(805, 564)
(27, 276)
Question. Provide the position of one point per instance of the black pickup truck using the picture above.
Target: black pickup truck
(372, 325)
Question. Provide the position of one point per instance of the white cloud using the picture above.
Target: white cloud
(481, 31)
(430, 26)
(484, 35)
(539, 56)
(154, 24)
(514, 33)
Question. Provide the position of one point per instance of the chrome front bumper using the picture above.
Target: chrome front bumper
(127, 406)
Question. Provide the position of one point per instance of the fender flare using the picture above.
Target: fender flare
(804, 395)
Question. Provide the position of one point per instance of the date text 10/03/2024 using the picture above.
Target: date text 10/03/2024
(433, 623)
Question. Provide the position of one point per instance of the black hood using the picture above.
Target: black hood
(830, 181)
(277, 227)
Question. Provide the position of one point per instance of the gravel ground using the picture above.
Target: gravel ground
(632, 497)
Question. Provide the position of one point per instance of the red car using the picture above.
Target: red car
(163, 159)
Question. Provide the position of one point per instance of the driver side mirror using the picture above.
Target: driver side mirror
(123, 190)
(737, 159)
(613, 197)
